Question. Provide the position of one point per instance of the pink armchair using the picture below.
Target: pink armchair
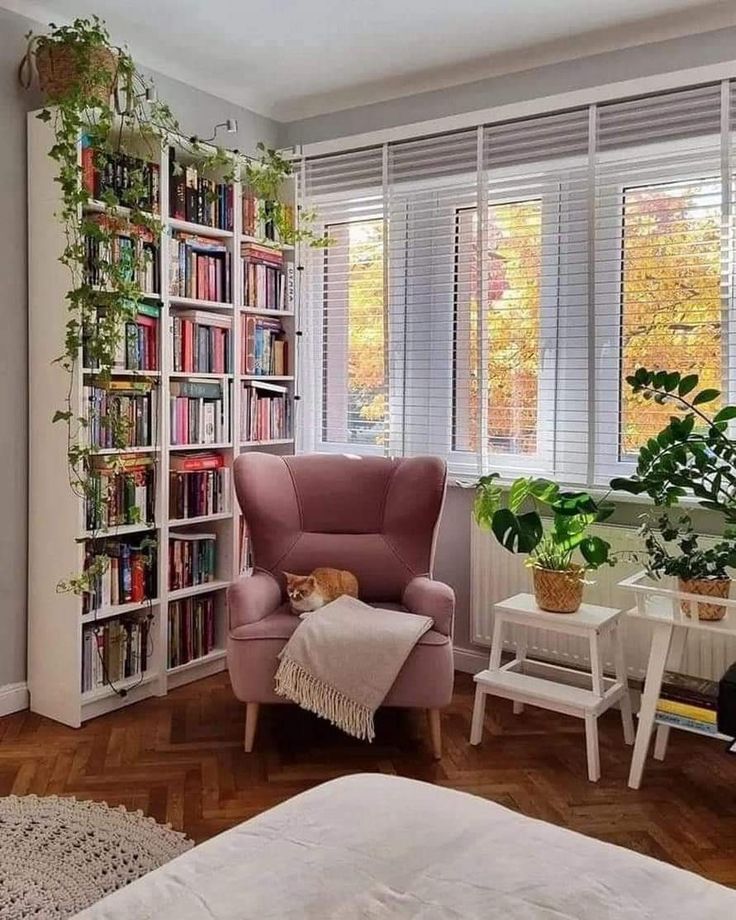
(376, 517)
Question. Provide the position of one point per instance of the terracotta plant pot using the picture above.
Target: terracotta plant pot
(59, 71)
(709, 587)
(558, 592)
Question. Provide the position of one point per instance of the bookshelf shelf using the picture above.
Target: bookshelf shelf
(205, 588)
(693, 731)
(208, 305)
(199, 229)
(105, 613)
(57, 624)
(99, 207)
(255, 311)
(203, 519)
(217, 654)
(128, 684)
(224, 445)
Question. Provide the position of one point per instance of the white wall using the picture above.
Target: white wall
(197, 113)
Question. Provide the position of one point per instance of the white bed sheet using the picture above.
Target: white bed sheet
(378, 847)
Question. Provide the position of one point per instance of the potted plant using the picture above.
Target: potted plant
(698, 571)
(692, 455)
(518, 526)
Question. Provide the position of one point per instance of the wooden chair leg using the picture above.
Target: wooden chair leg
(435, 732)
(251, 723)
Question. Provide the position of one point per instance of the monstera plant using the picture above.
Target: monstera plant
(559, 546)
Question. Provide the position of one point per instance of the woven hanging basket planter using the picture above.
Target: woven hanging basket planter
(558, 592)
(709, 587)
(62, 69)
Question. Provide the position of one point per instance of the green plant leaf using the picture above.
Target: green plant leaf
(595, 551)
(725, 414)
(705, 396)
(687, 384)
(517, 533)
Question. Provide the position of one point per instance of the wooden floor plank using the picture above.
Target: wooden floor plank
(179, 758)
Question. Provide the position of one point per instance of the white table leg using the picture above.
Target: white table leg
(622, 677)
(677, 652)
(591, 743)
(661, 638)
(496, 641)
(520, 656)
(595, 665)
(479, 712)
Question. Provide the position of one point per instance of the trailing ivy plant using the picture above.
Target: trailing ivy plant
(519, 527)
(690, 561)
(692, 454)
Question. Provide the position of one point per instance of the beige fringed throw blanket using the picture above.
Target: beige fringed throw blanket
(342, 660)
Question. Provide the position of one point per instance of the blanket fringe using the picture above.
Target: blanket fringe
(299, 685)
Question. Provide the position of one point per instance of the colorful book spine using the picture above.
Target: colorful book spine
(114, 650)
(668, 718)
(192, 560)
(687, 711)
(191, 629)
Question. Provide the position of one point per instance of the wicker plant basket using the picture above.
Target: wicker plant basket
(558, 592)
(58, 71)
(709, 587)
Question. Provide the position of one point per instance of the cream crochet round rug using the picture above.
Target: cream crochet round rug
(58, 856)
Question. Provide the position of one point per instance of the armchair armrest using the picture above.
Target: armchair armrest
(251, 598)
(431, 599)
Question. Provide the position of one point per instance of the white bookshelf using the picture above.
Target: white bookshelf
(56, 515)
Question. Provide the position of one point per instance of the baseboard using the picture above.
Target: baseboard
(13, 698)
(470, 660)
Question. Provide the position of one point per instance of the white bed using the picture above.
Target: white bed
(379, 846)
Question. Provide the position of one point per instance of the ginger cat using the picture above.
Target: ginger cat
(310, 592)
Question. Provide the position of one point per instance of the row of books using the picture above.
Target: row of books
(258, 217)
(133, 181)
(199, 485)
(192, 559)
(123, 491)
(264, 346)
(113, 651)
(201, 342)
(138, 343)
(265, 412)
(129, 245)
(199, 268)
(191, 629)
(199, 412)
(128, 577)
(120, 414)
(690, 702)
(264, 278)
(198, 199)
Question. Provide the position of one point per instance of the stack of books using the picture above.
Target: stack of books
(200, 412)
(197, 199)
(128, 577)
(120, 174)
(199, 485)
(113, 651)
(191, 629)
(192, 558)
(265, 412)
(257, 217)
(137, 346)
(201, 342)
(264, 281)
(199, 268)
(688, 702)
(124, 491)
(128, 243)
(120, 414)
(264, 347)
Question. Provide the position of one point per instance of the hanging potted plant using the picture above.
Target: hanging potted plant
(692, 455)
(558, 574)
(698, 571)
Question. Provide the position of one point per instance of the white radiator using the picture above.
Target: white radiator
(496, 574)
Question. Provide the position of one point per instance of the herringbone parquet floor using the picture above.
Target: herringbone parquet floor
(180, 760)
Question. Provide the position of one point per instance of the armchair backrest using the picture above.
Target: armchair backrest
(375, 517)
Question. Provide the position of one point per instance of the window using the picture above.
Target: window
(489, 290)
(354, 375)
(671, 293)
(510, 356)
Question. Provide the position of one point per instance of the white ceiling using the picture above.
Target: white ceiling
(291, 59)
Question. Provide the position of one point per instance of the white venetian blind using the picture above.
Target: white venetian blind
(659, 263)
(488, 290)
(344, 374)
